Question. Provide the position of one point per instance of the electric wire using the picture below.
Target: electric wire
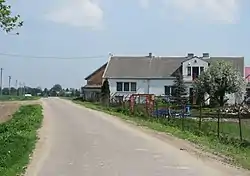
(51, 57)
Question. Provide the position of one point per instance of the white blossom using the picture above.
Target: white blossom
(220, 79)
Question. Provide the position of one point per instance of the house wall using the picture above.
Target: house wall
(144, 86)
(96, 78)
(192, 63)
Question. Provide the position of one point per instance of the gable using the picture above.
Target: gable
(95, 78)
(195, 61)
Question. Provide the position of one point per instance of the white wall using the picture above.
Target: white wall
(192, 63)
(153, 86)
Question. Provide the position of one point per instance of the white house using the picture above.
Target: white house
(155, 74)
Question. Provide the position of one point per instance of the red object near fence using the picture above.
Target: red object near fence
(136, 99)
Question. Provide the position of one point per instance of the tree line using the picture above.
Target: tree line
(56, 90)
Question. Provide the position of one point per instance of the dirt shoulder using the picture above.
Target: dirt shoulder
(7, 108)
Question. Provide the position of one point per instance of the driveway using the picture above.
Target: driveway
(76, 141)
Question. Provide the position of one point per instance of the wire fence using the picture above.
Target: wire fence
(231, 124)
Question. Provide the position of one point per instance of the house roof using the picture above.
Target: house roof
(142, 67)
(154, 67)
(97, 70)
(238, 62)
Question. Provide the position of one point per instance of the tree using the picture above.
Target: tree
(77, 93)
(8, 22)
(57, 88)
(105, 91)
(45, 92)
(180, 90)
(219, 80)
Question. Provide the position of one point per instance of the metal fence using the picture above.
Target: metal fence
(230, 123)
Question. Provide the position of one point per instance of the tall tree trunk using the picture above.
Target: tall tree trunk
(221, 101)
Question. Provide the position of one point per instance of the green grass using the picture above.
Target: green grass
(17, 98)
(228, 145)
(68, 98)
(17, 139)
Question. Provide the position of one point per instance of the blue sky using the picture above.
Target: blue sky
(75, 28)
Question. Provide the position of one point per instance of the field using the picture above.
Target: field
(228, 147)
(18, 136)
(17, 98)
(6, 110)
(8, 107)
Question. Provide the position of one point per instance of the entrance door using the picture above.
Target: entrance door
(195, 72)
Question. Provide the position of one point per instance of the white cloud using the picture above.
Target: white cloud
(87, 13)
(222, 10)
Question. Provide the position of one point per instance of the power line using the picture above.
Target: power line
(52, 57)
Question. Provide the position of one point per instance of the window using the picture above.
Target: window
(201, 69)
(126, 86)
(119, 86)
(189, 71)
(167, 90)
(133, 86)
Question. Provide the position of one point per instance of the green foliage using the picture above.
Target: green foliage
(56, 88)
(7, 21)
(220, 79)
(180, 91)
(105, 91)
(17, 139)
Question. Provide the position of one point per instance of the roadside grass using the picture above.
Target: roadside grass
(17, 139)
(67, 98)
(229, 147)
(17, 98)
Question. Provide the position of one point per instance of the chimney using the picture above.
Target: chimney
(150, 55)
(205, 55)
(190, 55)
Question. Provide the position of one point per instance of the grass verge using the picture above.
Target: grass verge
(17, 98)
(234, 152)
(17, 139)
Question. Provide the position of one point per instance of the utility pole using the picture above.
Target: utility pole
(20, 90)
(9, 83)
(1, 82)
(16, 86)
(23, 88)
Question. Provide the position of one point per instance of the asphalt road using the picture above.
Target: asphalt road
(76, 141)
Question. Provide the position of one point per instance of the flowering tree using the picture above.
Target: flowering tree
(220, 79)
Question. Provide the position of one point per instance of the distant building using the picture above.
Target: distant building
(92, 90)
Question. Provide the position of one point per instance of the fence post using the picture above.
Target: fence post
(218, 124)
(239, 118)
(182, 117)
(156, 109)
(200, 116)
